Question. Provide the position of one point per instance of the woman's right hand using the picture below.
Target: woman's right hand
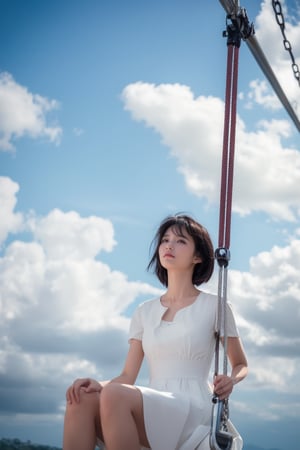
(85, 384)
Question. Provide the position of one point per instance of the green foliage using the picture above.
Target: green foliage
(16, 444)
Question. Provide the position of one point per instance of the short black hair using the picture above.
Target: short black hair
(203, 248)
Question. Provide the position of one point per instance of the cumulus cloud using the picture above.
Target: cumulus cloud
(10, 221)
(274, 274)
(267, 174)
(267, 300)
(261, 94)
(62, 310)
(190, 127)
(23, 114)
(67, 235)
(56, 279)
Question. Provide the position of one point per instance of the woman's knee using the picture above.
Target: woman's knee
(88, 404)
(122, 400)
(114, 396)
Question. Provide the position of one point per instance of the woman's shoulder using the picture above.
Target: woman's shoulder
(210, 301)
(207, 296)
(207, 301)
(148, 311)
(150, 304)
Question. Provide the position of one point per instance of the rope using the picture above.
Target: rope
(228, 147)
(222, 253)
(219, 436)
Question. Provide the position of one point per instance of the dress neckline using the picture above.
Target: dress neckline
(165, 308)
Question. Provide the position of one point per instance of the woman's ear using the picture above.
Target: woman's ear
(197, 259)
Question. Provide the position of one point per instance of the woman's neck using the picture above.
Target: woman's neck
(180, 290)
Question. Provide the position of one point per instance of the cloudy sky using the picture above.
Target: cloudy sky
(111, 118)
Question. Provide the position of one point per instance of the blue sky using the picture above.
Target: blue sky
(111, 118)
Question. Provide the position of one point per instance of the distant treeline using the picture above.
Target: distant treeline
(16, 444)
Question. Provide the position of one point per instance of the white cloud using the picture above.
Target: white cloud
(23, 114)
(267, 301)
(267, 174)
(190, 126)
(261, 94)
(275, 277)
(62, 311)
(21, 278)
(56, 278)
(10, 221)
(67, 235)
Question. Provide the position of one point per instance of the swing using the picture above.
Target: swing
(238, 27)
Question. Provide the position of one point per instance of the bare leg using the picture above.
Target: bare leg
(122, 417)
(82, 423)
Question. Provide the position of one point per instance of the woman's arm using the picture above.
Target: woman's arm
(132, 364)
(223, 385)
(128, 375)
(237, 359)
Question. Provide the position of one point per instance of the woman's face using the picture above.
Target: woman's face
(177, 250)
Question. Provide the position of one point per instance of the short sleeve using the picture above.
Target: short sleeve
(232, 330)
(136, 328)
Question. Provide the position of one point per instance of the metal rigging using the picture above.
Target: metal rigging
(238, 28)
(232, 8)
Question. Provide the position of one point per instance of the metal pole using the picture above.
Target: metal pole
(262, 61)
(231, 8)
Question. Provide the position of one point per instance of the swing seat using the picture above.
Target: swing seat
(223, 440)
(220, 439)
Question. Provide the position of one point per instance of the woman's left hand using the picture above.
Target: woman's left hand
(223, 386)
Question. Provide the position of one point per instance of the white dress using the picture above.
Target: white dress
(178, 401)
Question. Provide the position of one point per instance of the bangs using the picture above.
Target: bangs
(178, 225)
(179, 230)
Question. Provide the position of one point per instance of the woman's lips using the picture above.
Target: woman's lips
(168, 255)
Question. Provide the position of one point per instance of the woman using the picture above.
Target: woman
(176, 334)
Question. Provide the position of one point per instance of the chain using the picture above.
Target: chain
(287, 45)
(225, 415)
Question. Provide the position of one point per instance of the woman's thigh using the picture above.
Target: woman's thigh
(127, 398)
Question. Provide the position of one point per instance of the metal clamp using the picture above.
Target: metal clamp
(222, 256)
(239, 28)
